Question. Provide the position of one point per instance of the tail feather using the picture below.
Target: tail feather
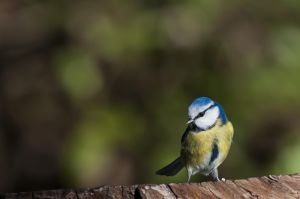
(171, 169)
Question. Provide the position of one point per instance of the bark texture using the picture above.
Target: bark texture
(287, 186)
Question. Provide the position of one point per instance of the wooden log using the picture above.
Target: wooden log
(286, 186)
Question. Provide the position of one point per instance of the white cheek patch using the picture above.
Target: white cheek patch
(194, 110)
(209, 119)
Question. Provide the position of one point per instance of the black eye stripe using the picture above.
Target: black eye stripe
(201, 114)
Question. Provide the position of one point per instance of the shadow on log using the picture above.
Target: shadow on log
(287, 186)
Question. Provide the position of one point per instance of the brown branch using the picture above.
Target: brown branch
(287, 186)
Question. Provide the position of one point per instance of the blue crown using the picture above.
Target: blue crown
(204, 101)
(201, 101)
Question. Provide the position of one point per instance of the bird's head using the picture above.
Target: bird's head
(204, 113)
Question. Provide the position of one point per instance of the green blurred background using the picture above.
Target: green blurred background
(96, 92)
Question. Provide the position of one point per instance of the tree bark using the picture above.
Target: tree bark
(287, 186)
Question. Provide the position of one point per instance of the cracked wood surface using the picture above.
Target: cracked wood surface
(287, 186)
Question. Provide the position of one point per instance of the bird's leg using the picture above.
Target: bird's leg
(190, 173)
(214, 174)
(189, 178)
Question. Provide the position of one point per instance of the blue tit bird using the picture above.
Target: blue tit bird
(205, 142)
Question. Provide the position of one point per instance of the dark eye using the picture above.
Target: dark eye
(201, 114)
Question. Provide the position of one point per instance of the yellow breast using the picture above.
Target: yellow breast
(197, 148)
